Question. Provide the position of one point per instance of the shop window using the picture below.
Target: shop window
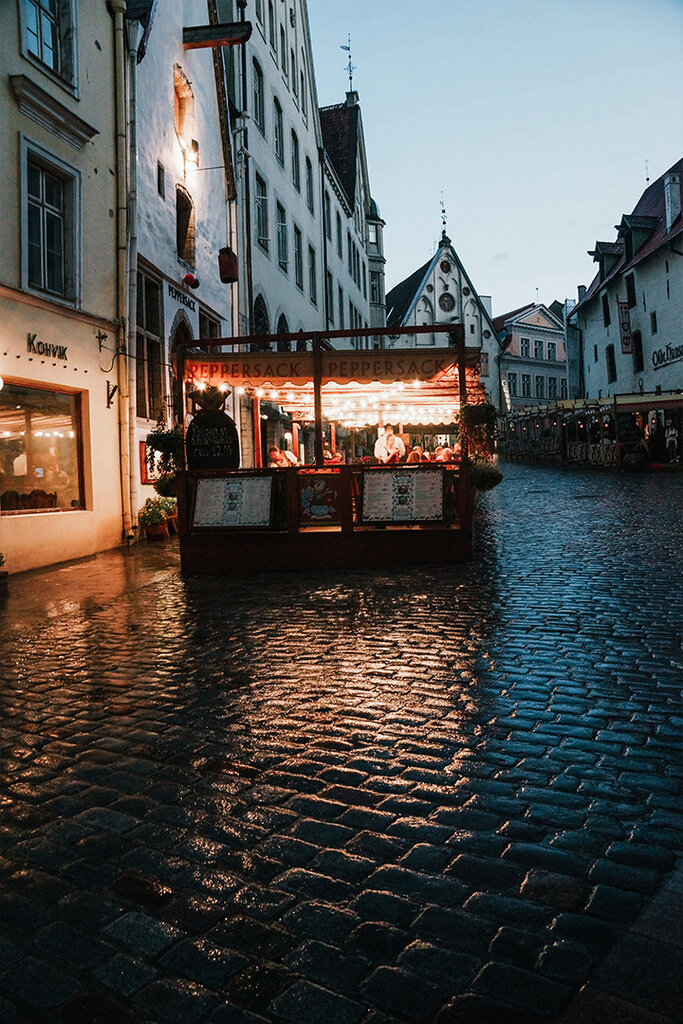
(261, 199)
(298, 259)
(512, 384)
(51, 217)
(524, 347)
(49, 36)
(638, 363)
(281, 221)
(611, 364)
(148, 354)
(185, 226)
(41, 453)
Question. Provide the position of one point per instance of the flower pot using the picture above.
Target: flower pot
(157, 531)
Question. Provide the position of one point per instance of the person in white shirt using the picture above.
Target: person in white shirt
(280, 458)
(389, 447)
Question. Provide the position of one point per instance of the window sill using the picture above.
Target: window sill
(67, 84)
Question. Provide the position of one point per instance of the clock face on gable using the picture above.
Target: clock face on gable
(447, 302)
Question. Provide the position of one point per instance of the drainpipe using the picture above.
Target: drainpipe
(134, 34)
(323, 220)
(119, 9)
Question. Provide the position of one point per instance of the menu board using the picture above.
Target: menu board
(233, 501)
(403, 495)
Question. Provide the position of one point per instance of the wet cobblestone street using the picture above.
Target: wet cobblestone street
(441, 795)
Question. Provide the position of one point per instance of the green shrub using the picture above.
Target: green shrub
(152, 513)
(484, 475)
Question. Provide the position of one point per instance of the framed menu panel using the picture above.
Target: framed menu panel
(234, 501)
(402, 495)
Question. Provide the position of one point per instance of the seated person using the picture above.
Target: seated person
(414, 457)
(280, 458)
(388, 447)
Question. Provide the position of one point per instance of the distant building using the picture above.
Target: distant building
(625, 333)
(442, 292)
(533, 368)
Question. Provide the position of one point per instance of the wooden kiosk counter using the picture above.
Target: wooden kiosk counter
(318, 515)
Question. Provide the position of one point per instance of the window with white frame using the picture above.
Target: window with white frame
(526, 385)
(312, 276)
(257, 96)
(524, 347)
(281, 219)
(552, 351)
(563, 387)
(262, 213)
(296, 162)
(49, 35)
(512, 384)
(51, 223)
(278, 138)
(552, 387)
(540, 387)
(298, 259)
(309, 185)
(538, 349)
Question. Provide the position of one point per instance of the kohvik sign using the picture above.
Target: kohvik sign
(44, 348)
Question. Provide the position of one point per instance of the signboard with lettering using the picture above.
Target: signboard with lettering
(212, 441)
(234, 501)
(402, 495)
(277, 369)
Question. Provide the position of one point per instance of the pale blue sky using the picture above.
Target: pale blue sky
(535, 118)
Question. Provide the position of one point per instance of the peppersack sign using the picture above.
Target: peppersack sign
(277, 369)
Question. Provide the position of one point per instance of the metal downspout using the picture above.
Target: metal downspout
(119, 9)
(133, 37)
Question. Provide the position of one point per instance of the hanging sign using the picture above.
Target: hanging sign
(625, 328)
(254, 369)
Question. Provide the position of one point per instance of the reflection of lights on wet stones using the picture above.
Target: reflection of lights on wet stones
(140, 889)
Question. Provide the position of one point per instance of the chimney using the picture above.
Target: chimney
(582, 291)
(352, 99)
(672, 198)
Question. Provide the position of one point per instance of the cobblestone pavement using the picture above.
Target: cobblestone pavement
(437, 795)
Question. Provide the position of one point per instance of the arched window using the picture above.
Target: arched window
(257, 95)
(278, 140)
(185, 226)
(283, 328)
(261, 320)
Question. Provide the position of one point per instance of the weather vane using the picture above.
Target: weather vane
(444, 217)
(350, 67)
(647, 172)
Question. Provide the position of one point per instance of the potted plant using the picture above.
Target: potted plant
(152, 517)
(169, 506)
(165, 453)
(484, 475)
(4, 575)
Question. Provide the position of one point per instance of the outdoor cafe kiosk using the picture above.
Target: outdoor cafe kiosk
(337, 515)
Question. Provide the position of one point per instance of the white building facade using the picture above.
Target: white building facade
(628, 325)
(61, 493)
(442, 292)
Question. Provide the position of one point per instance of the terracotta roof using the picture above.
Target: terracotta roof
(339, 125)
(650, 205)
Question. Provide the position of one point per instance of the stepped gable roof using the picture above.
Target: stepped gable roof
(400, 298)
(650, 208)
(339, 124)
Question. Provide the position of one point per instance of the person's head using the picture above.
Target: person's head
(446, 455)
(438, 450)
(414, 456)
(388, 430)
(327, 454)
(275, 455)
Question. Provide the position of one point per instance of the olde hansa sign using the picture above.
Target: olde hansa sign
(279, 369)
